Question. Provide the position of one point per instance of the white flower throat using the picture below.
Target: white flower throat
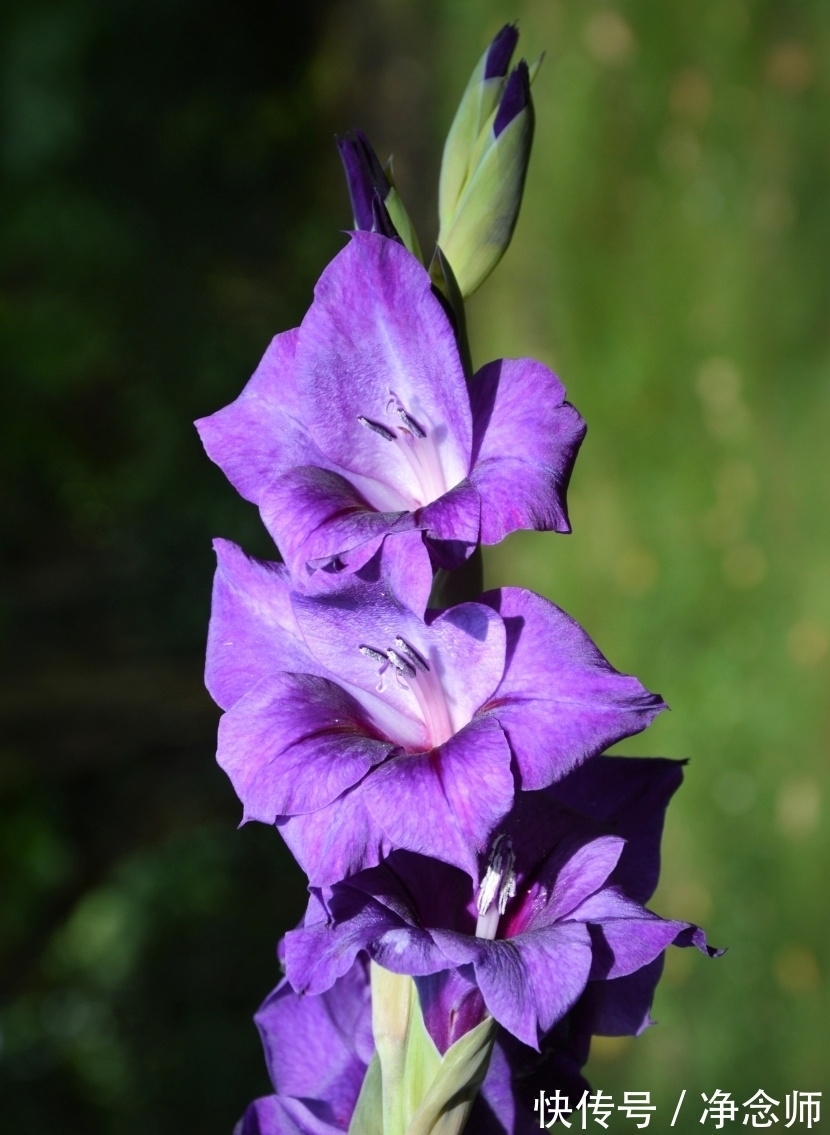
(411, 672)
(419, 446)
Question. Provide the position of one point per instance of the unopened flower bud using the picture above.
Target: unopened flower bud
(376, 203)
(484, 164)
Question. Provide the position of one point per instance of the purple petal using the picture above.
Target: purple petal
(446, 803)
(336, 1041)
(253, 631)
(622, 1007)
(376, 333)
(318, 955)
(526, 438)
(629, 795)
(294, 743)
(403, 565)
(500, 52)
(381, 221)
(528, 983)
(318, 518)
(560, 700)
(583, 874)
(452, 1005)
(335, 841)
(364, 176)
(422, 892)
(623, 946)
(351, 920)
(263, 432)
(515, 99)
(452, 524)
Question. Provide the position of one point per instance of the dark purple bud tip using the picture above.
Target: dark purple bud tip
(381, 221)
(500, 52)
(364, 176)
(515, 99)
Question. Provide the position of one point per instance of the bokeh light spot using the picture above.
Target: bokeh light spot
(798, 807)
(796, 969)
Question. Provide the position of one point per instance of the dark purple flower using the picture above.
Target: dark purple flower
(359, 425)
(317, 1050)
(551, 918)
(357, 726)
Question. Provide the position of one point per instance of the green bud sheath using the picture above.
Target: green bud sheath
(409, 1088)
(485, 218)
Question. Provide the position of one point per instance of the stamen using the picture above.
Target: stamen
(410, 423)
(411, 654)
(376, 428)
(401, 665)
(370, 652)
(499, 879)
(507, 891)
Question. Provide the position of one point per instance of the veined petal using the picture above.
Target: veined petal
(317, 517)
(528, 983)
(263, 432)
(376, 333)
(336, 1045)
(526, 438)
(560, 700)
(253, 631)
(584, 873)
(294, 743)
(452, 524)
(337, 840)
(445, 803)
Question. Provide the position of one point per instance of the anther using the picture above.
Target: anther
(411, 654)
(370, 652)
(410, 423)
(377, 428)
(401, 664)
(500, 878)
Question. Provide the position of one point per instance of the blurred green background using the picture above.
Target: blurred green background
(170, 193)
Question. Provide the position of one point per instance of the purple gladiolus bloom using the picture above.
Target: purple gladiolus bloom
(360, 425)
(317, 1050)
(357, 727)
(552, 917)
